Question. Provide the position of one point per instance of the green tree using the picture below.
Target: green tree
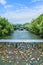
(36, 26)
(5, 27)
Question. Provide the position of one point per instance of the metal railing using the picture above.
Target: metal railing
(3, 40)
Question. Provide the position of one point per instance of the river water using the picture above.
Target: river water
(24, 34)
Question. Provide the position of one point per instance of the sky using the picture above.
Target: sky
(21, 11)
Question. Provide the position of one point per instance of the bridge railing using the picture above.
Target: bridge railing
(3, 40)
(24, 43)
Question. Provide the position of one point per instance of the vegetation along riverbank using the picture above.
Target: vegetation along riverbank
(5, 27)
(36, 26)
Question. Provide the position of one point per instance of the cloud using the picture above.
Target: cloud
(8, 6)
(3, 2)
(36, 0)
(23, 14)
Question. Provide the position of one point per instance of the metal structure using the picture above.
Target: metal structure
(10, 40)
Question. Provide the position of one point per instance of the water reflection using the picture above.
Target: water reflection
(24, 34)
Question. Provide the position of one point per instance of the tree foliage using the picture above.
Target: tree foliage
(36, 26)
(5, 27)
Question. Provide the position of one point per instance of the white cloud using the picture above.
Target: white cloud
(36, 0)
(8, 6)
(24, 14)
(3, 2)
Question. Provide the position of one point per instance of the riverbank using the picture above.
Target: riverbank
(36, 26)
(6, 28)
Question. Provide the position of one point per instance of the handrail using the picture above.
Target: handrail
(10, 40)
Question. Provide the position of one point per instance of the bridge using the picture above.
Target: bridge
(9, 40)
(23, 43)
(21, 52)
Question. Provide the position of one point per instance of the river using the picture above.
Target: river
(24, 34)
